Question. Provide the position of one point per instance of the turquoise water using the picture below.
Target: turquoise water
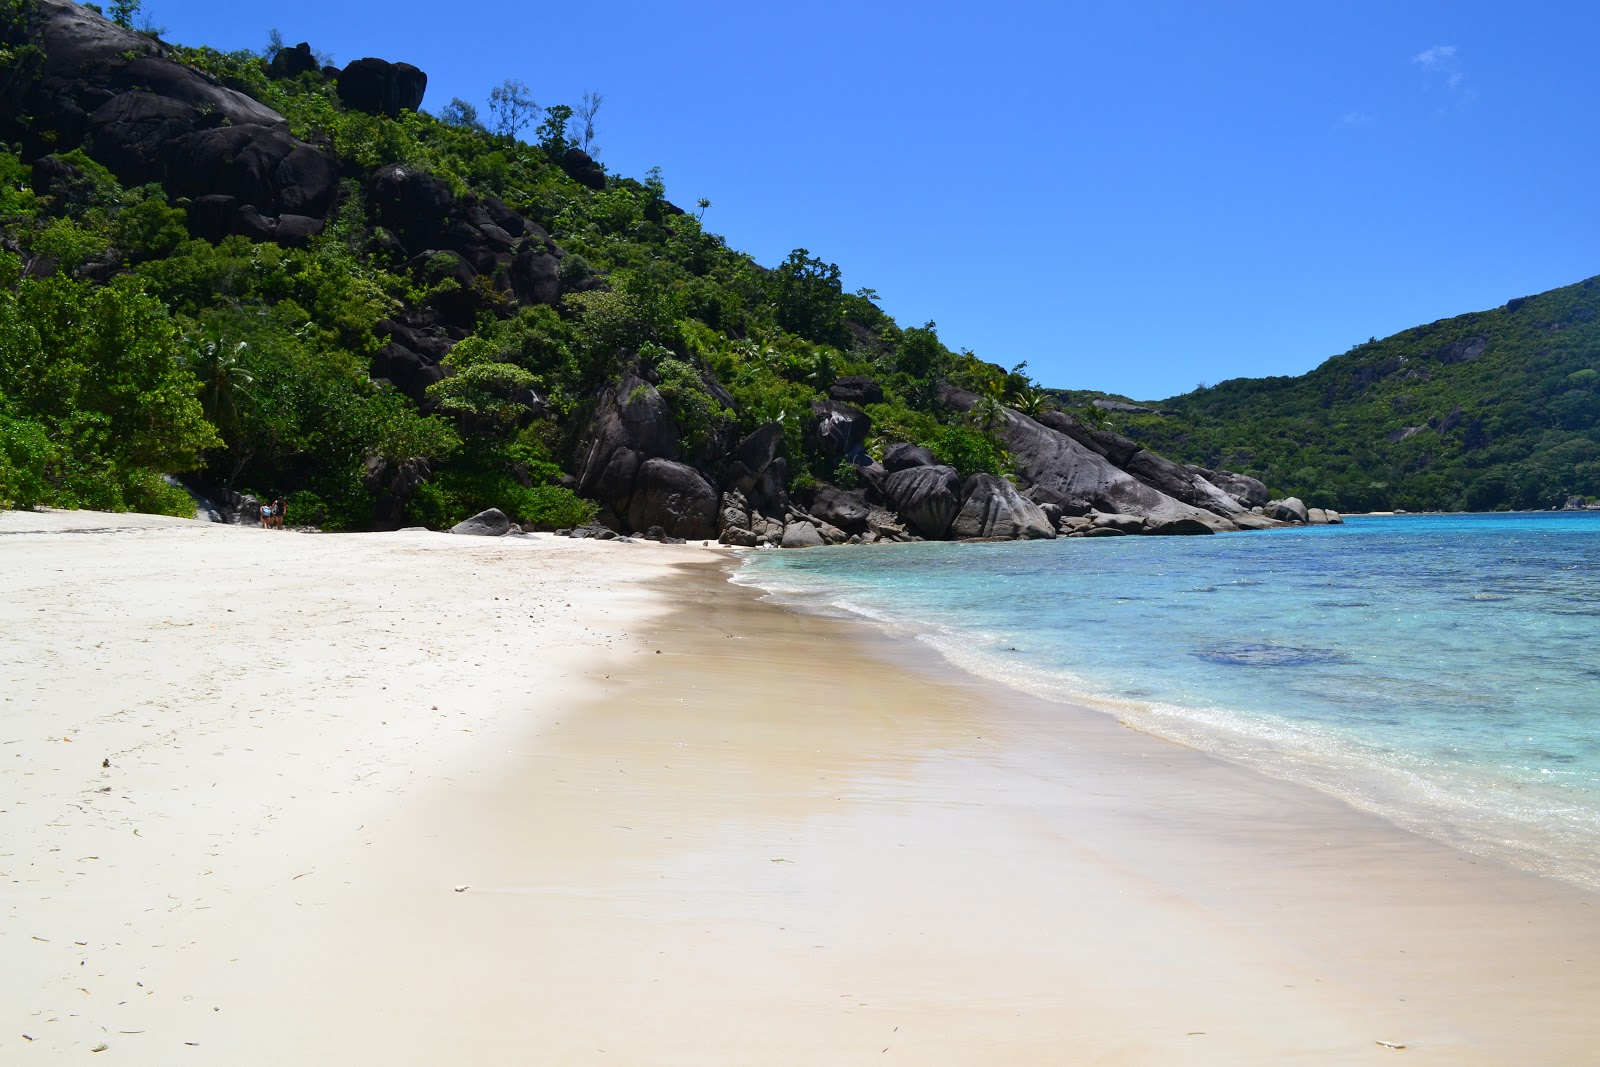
(1442, 670)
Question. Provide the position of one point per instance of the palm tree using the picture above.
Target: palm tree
(1034, 402)
(224, 382)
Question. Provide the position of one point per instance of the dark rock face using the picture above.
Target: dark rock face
(491, 523)
(422, 219)
(1072, 507)
(410, 360)
(292, 62)
(393, 484)
(927, 498)
(757, 471)
(735, 526)
(847, 510)
(674, 497)
(149, 119)
(260, 166)
(992, 507)
(581, 168)
(1179, 527)
(837, 430)
(411, 202)
(904, 456)
(379, 87)
(632, 427)
(1051, 460)
(852, 389)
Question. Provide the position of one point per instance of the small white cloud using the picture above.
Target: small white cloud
(1442, 66)
(1440, 56)
(1356, 118)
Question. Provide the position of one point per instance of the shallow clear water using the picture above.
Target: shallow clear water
(1443, 670)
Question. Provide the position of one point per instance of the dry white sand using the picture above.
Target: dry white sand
(193, 715)
(780, 840)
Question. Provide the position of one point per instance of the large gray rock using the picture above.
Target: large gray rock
(1050, 460)
(1316, 517)
(734, 524)
(992, 507)
(927, 498)
(846, 509)
(491, 523)
(853, 389)
(1290, 509)
(674, 497)
(631, 424)
(1153, 469)
(801, 534)
(1249, 492)
(837, 430)
(753, 457)
(904, 455)
(1130, 524)
(1181, 526)
(1334, 518)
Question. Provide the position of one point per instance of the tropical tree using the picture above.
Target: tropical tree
(459, 112)
(585, 112)
(218, 365)
(511, 104)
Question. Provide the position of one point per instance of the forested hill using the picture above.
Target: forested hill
(269, 274)
(1495, 409)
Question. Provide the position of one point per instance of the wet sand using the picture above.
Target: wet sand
(748, 835)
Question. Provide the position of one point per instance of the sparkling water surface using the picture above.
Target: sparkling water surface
(1442, 670)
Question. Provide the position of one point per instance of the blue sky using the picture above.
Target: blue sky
(1131, 197)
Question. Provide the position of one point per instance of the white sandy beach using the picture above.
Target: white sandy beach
(686, 827)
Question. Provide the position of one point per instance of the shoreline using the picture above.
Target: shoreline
(785, 838)
(1281, 749)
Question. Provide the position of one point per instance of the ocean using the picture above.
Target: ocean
(1442, 671)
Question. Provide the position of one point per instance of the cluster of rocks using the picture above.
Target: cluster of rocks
(1072, 481)
(495, 523)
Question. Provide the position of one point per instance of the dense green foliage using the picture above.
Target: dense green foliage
(254, 373)
(1493, 410)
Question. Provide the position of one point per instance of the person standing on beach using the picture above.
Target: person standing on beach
(277, 513)
(266, 516)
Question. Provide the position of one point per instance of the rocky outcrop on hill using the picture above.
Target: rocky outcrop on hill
(150, 119)
(582, 168)
(1070, 481)
(838, 430)
(379, 87)
(627, 461)
(1065, 471)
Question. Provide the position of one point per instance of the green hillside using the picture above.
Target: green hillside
(1493, 410)
(137, 340)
